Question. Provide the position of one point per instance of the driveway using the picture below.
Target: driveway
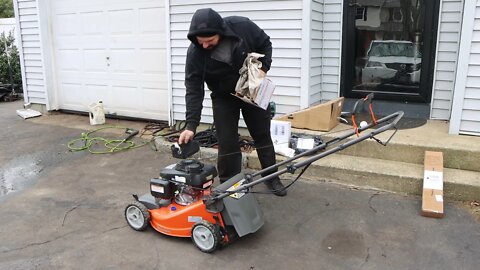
(64, 210)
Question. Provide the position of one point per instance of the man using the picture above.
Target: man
(215, 56)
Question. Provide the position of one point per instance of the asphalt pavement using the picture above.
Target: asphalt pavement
(64, 210)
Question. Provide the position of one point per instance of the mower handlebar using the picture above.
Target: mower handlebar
(394, 118)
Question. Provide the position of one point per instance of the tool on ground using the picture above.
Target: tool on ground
(26, 112)
(184, 203)
(131, 133)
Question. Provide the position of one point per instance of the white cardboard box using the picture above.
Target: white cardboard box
(432, 195)
(280, 131)
(263, 94)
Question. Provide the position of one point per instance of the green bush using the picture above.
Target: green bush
(6, 9)
(10, 62)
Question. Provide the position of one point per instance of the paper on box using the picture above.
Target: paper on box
(262, 96)
(432, 195)
(280, 131)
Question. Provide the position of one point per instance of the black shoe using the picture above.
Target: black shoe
(277, 187)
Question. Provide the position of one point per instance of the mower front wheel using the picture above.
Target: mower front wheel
(206, 236)
(137, 216)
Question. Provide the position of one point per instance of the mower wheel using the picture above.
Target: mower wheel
(206, 236)
(137, 216)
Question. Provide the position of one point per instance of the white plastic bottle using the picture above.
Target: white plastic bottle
(97, 113)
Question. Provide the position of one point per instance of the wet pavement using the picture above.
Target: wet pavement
(64, 210)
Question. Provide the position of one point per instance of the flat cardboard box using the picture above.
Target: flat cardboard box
(262, 96)
(322, 117)
(432, 196)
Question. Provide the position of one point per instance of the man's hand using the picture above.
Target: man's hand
(185, 136)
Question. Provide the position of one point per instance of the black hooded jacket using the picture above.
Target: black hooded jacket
(220, 67)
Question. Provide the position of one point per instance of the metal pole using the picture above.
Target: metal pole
(398, 115)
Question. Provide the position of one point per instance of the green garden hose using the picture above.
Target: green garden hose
(88, 142)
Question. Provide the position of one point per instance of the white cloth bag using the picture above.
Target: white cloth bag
(250, 76)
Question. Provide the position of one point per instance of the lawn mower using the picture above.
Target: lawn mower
(183, 202)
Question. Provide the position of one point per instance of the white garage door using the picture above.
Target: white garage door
(113, 51)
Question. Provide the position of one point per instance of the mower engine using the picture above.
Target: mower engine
(184, 182)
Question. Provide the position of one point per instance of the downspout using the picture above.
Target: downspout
(305, 61)
(169, 62)
(20, 50)
(46, 48)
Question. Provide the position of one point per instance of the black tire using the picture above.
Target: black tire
(206, 236)
(137, 216)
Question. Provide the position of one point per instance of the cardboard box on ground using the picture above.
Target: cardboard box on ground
(432, 195)
(321, 117)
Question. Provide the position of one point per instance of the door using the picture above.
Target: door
(113, 51)
(389, 49)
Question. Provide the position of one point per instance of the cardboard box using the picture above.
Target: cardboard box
(432, 197)
(280, 131)
(262, 96)
(322, 117)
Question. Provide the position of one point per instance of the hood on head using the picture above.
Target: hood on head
(205, 22)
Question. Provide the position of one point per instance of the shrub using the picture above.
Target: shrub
(10, 62)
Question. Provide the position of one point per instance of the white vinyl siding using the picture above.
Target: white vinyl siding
(470, 117)
(29, 45)
(331, 49)
(449, 25)
(466, 107)
(281, 20)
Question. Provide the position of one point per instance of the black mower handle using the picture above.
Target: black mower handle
(394, 118)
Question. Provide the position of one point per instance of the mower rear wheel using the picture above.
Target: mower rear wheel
(137, 216)
(206, 236)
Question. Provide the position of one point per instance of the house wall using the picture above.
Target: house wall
(448, 40)
(282, 22)
(29, 45)
(465, 117)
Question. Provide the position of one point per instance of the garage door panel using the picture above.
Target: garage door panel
(152, 101)
(94, 93)
(153, 61)
(69, 60)
(157, 79)
(66, 24)
(151, 41)
(72, 93)
(126, 98)
(94, 23)
(123, 61)
(122, 22)
(149, 20)
(95, 60)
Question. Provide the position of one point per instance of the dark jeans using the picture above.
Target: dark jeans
(226, 114)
